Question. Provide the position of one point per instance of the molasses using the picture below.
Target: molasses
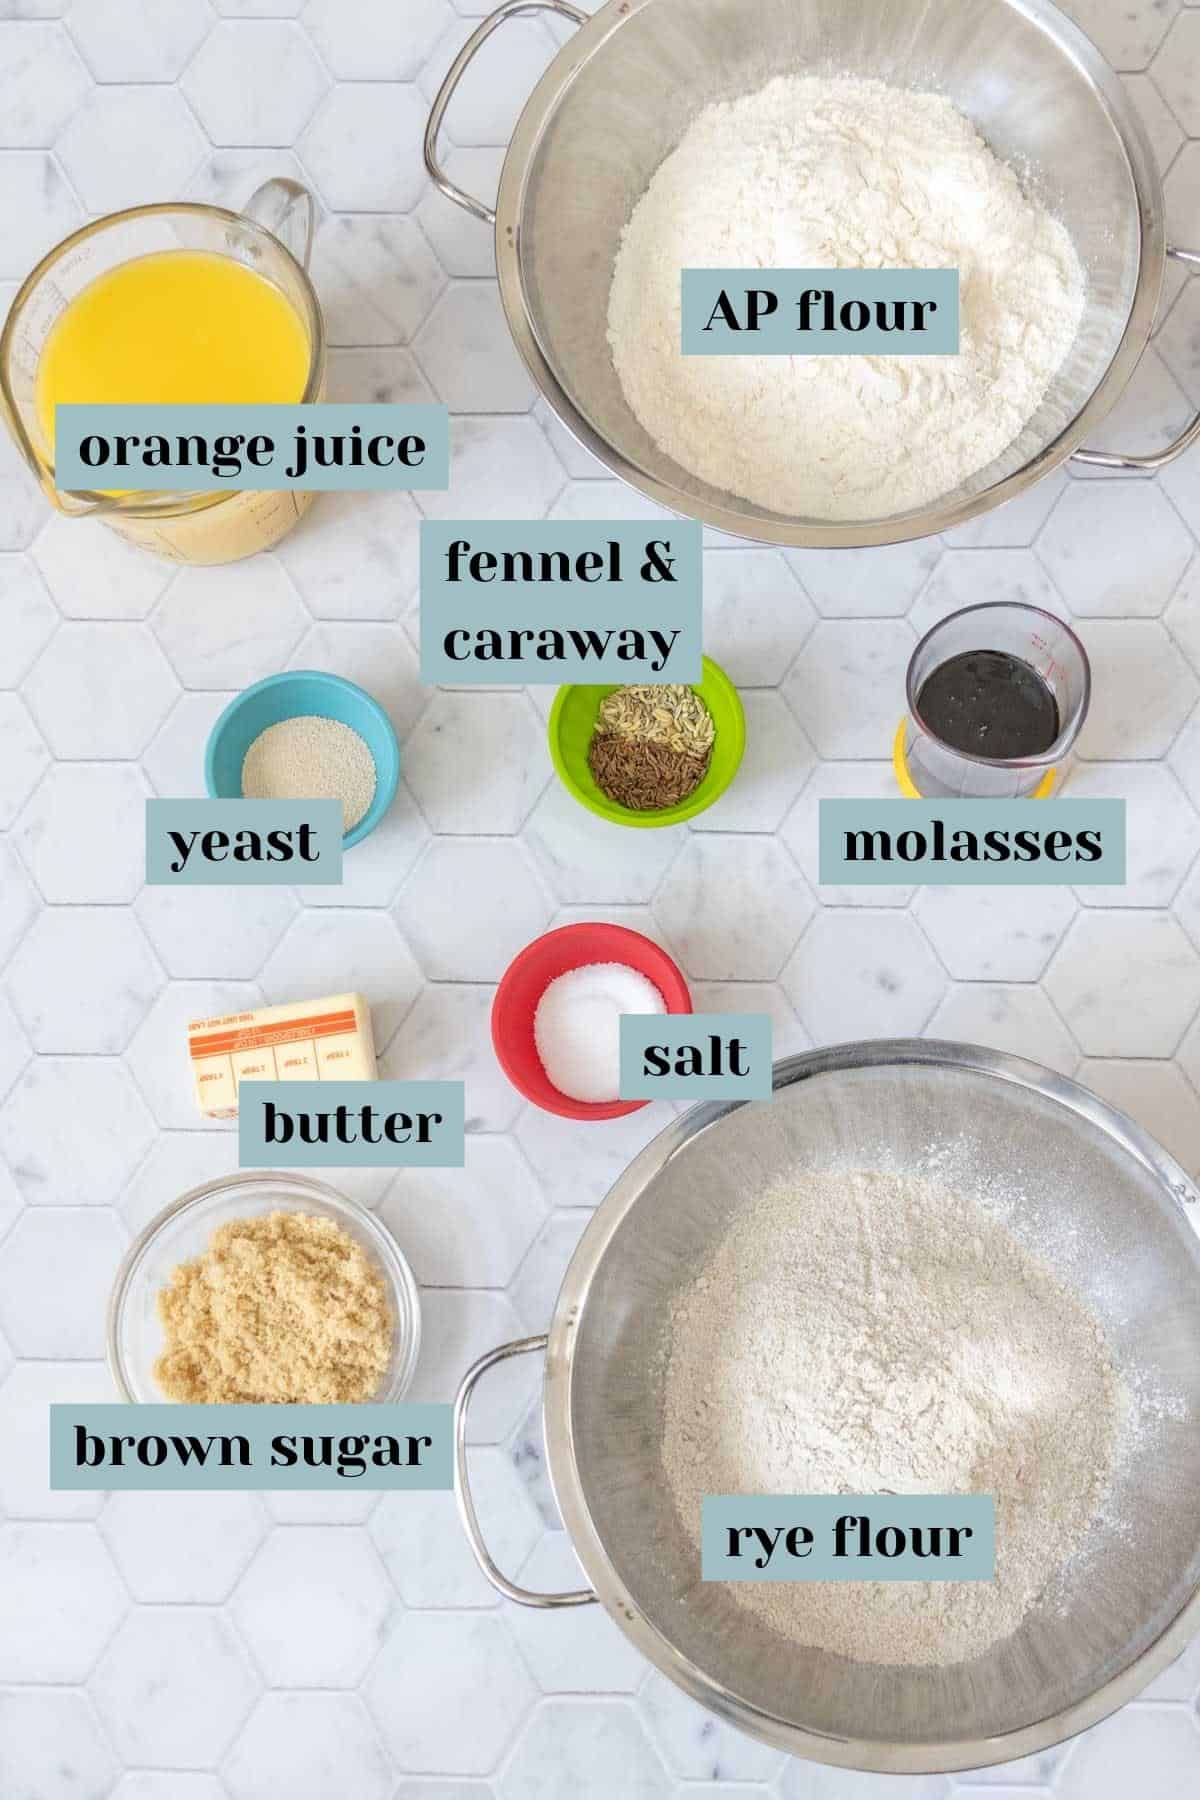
(989, 704)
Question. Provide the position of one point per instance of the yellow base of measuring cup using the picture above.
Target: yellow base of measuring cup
(908, 786)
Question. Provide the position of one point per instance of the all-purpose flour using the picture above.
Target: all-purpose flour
(859, 1333)
(817, 172)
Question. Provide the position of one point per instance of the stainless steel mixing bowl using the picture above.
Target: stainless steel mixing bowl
(621, 93)
(1079, 1182)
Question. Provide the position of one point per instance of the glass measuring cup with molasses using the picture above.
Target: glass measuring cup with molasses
(997, 695)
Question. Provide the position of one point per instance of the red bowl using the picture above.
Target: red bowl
(530, 974)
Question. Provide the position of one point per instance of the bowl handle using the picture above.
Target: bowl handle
(437, 112)
(462, 1490)
(1154, 459)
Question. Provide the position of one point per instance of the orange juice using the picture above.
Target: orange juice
(177, 327)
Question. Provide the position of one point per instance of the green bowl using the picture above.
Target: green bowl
(573, 720)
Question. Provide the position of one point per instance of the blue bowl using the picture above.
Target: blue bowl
(303, 692)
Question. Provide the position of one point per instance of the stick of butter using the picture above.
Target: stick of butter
(316, 1040)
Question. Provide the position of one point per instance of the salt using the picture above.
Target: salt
(577, 1027)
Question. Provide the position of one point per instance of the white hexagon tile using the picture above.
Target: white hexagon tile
(245, 1647)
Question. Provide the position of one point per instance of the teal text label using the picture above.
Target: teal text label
(607, 601)
(322, 447)
(696, 1056)
(972, 843)
(848, 1537)
(351, 1124)
(209, 1449)
(243, 843)
(820, 312)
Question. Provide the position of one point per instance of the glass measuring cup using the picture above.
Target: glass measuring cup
(273, 236)
(938, 772)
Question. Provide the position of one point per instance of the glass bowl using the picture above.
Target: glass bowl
(183, 1229)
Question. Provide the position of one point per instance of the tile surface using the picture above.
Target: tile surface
(246, 1647)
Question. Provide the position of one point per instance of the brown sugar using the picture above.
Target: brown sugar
(282, 1307)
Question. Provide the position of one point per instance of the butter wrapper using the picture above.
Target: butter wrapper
(313, 1040)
